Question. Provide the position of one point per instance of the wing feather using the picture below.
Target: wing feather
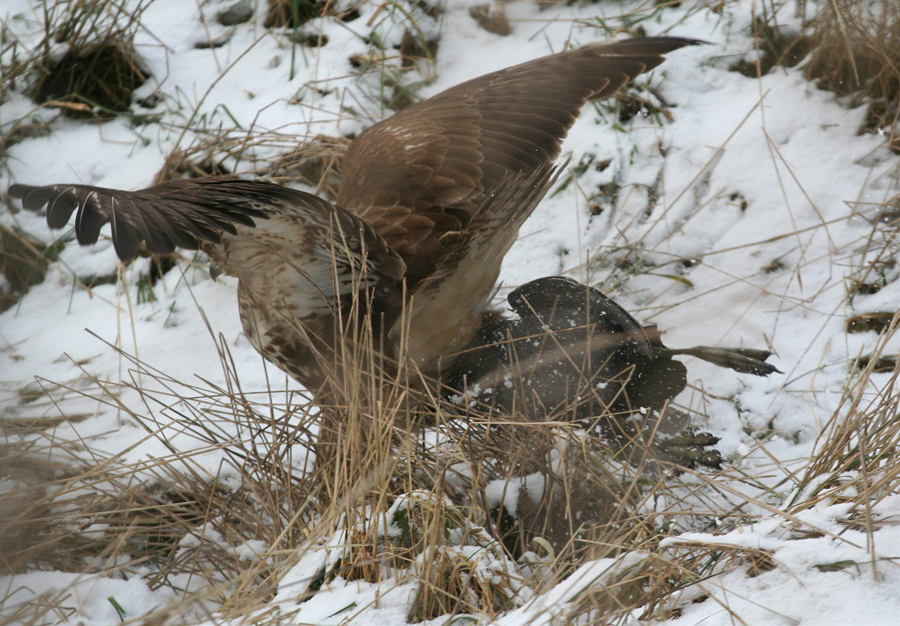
(245, 227)
(447, 154)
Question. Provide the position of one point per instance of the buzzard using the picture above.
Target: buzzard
(430, 201)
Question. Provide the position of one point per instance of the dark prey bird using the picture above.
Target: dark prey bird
(575, 354)
(430, 201)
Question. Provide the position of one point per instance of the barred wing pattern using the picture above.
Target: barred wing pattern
(299, 259)
(425, 170)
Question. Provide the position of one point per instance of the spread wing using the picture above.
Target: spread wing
(288, 247)
(427, 169)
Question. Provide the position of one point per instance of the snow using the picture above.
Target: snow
(88, 599)
(755, 172)
(813, 582)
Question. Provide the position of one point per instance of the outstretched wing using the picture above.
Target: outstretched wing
(290, 247)
(175, 214)
(426, 170)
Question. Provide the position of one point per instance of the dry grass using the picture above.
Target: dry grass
(405, 520)
(361, 481)
(491, 18)
(100, 69)
(858, 455)
(478, 512)
(272, 155)
(850, 47)
(857, 51)
(364, 485)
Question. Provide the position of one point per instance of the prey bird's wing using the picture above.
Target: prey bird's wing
(427, 169)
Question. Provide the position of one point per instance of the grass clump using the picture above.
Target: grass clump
(851, 47)
(857, 52)
(777, 46)
(400, 59)
(94, 81)
(491, 18)
(296, 13)
(96, 75)
(23, 264)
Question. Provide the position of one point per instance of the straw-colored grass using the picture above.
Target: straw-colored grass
(364, 484)
(385, 483)
(857, 52)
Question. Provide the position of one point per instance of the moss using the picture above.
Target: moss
(102, 76)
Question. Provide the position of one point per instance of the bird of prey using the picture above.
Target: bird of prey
(430, 201)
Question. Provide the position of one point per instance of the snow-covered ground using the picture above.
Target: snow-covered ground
(767, 184)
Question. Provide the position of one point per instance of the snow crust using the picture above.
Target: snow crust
(757, 174)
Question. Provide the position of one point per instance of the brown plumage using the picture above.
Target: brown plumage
(432, 197)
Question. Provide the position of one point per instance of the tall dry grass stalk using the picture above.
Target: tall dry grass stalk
(857, 49)
(384, 481)
(387, 484)
(858, 457)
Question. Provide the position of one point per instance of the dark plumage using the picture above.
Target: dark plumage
(574, 353)
(432, 197)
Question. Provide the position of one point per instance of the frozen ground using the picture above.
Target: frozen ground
(765, 183)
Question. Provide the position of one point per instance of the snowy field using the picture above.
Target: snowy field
(745, 212)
